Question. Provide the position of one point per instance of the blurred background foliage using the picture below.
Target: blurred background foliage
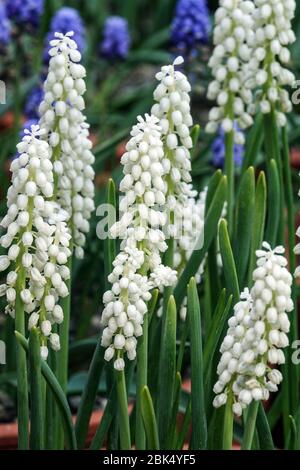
(117, 91)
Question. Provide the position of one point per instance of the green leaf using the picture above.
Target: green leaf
(152, 304)
(167, 371)
(244, 223)
(149, 420)
(212, 188)
(195, 133)
(59, 396)
(175, 409)
(232, 283)
(263, 430)
(218, 323)
(108, 415)
(36, 394)
(89, 395)
(185, 426)
(109, 242)
(253, 143)
(258, 228)
(210, 229)
(199, 424)
(273, 204)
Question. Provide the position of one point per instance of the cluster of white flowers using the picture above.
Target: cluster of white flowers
(233, 35)
(186, 220)
(138, 267)
(174, 114)
(256, 335)
(37, 240)
(68, 135)
(273, 35)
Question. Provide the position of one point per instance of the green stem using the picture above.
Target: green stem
(228, 425)
(250, 425)
(142, 372)
(22, 390)
(123, 411)
(229, 172)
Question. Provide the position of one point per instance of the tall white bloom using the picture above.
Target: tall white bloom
(186, 209)
(138, 267)
(233, 34)
(67, 133)
(174, 114)
(257, 334)
(36, 238)
(273, 35)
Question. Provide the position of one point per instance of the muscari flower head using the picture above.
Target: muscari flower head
(5, 27)
(269, 75)
(191, 25)
(233, 33)
(36, 239)
(66, 19)
(116, 38)
(62, 117)
(183, 202)
(25, 12)
(256, 335)
(138, 267)
(33, 102)
(218, 150)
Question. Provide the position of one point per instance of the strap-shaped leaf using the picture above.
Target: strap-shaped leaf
(258, 227)
(89, 395)
(273, 203)
(199, 424)
(218, 323)
(263, 430)
(167, 371)
(210, 229)
(59, 396)
(244, 223)
(110, 243)
(232, 283)
(149, 420)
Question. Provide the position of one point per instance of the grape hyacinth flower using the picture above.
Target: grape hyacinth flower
(232, 34)
(191, 25)
(25, 12)
(5, 27)
(138, 267)
(273, 35)
(66, 19)
(36, 239)
(256, 335)
(116, 38)
(62, 117)
(218, 150)
(185, 208)
(33, 102)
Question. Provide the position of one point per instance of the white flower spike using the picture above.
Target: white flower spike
(138, 267)
(68, 135)
(37, 238)
(257, 334)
